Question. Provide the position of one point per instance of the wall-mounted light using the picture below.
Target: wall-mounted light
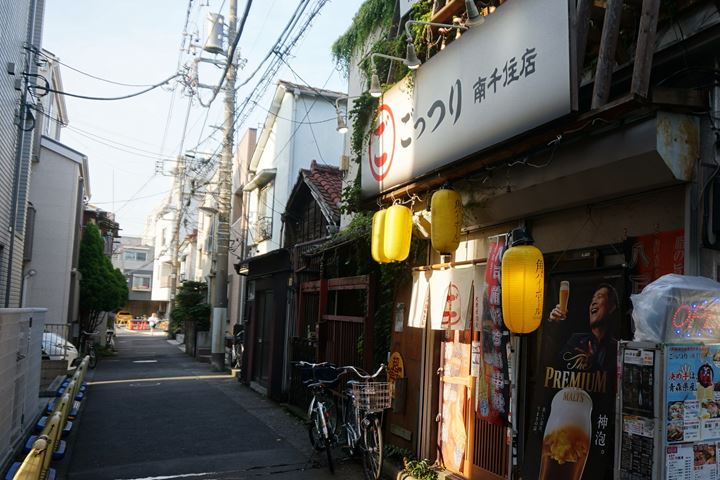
(474, 18)
(341, 122)
(411, 62)
(411, 59)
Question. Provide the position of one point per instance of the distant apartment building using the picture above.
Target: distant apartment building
(135, 260)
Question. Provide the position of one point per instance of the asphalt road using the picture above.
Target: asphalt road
(154, 413)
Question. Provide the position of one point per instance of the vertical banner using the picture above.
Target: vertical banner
(652, 256)
(571, 414)
(492, 382)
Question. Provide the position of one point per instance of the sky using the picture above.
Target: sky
(137, 42)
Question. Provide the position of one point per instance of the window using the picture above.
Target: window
(134, 255)
(29, 233)
(141, 282)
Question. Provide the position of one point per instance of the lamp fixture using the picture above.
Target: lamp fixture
(411, 61)
(341, 122)
(474, 18)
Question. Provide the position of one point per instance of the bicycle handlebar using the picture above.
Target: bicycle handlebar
(363, 375)
(314, 365)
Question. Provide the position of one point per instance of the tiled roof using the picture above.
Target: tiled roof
(327, 182)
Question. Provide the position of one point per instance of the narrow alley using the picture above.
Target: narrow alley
(152, 412)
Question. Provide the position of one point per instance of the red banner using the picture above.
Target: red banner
(493, 393)
(655, 255)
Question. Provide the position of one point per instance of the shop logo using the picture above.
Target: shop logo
(451, 313)
(381, 147)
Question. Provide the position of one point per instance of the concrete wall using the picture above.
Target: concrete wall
(20, 366)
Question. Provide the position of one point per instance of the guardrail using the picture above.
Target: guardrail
(48, 444)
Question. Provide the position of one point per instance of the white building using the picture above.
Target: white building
(59, 182)
(300, 127)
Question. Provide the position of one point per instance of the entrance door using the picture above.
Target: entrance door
(264, 310)
(456, 386)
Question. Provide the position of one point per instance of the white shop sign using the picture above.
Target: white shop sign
(502, 78)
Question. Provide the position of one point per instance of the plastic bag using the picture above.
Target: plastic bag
(677, 309)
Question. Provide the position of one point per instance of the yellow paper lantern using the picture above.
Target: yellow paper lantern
(397, 233)
(447, 219)
(523, 284)
(377, 235)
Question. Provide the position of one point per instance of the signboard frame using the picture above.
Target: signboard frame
(528, 94)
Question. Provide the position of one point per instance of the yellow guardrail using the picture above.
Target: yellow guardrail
(32, 467)
(36, 464)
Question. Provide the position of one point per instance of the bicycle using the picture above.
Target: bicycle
(363, 404)
(322, 413)
(110, 338)
(362, 413)
(238, 348)
(87, 347)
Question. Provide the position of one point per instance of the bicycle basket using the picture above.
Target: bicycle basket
(372, 396)
(326, 373)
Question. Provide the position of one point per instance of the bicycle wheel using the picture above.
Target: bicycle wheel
(317, 439)
(372, 449)
(315, 432)
(93, 358)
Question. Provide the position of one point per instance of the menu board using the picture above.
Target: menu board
(636, 456)
(692, 462)
(638, 381)
(692, 387)
(679, 462)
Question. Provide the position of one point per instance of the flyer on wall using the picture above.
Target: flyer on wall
(692, 387)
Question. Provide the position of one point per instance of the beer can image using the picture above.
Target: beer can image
(566, 441)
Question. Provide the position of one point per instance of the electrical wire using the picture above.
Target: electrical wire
(134, 199)
(331, 119)
(106, 141)
(261, 85)
(122, 97)
(75, 69)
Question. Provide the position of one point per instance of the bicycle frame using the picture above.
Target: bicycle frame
(320, 406)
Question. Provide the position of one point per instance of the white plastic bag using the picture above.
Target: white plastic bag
(676, 309)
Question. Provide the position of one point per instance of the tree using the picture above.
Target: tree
(102, 287)
(191, 305)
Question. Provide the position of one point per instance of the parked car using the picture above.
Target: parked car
(55, 347)
(123, 317)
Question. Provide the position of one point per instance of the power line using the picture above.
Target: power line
(133, 199)
(106, 141)
(122, 97)
(75, 69)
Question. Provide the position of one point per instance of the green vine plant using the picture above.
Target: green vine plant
(372, 30)
(420, 469)
(360, 115)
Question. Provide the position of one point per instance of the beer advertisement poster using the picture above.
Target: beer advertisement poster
(571, 412)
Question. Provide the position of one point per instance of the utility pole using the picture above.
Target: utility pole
(179, 183)
(220, 302)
